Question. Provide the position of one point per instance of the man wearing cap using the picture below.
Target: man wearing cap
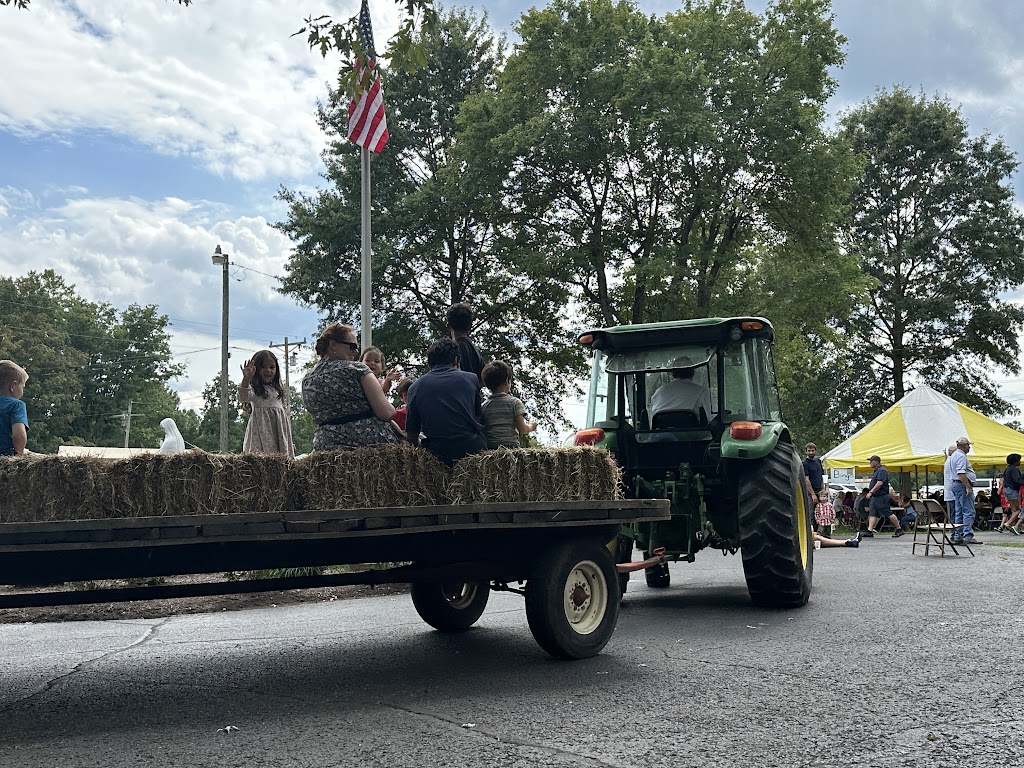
(963, 493)
(878, 491)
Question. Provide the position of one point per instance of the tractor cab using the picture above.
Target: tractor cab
(670, 392)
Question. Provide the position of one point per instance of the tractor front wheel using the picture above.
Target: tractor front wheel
(657, 576)
(775, 529)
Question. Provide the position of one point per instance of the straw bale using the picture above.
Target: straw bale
(198, 483)
(50, 488)
(380, 476)
(536, 474)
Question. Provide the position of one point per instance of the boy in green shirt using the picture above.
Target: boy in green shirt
(504, 415)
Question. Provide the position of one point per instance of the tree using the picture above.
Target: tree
(439, 235)
(85, 360)
(653, 160)
(934, 225)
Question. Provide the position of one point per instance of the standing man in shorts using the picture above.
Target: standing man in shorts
(879, 493)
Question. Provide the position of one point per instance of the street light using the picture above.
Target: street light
(222, 259)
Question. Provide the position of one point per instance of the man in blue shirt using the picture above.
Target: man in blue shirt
(880, 506)
(445, 405)
(963, 493)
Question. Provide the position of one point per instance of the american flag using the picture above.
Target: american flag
(367, 125)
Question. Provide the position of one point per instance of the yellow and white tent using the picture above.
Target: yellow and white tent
(915, 432)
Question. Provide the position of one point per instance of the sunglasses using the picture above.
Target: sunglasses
(350, 344)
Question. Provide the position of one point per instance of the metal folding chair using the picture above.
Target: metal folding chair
(933, 528)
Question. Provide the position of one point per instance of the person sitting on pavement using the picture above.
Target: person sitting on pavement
(827, 542)
(445, 404)
(879, 492)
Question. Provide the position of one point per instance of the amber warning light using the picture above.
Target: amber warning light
(744, 430)
(587, 338)
(588, 437)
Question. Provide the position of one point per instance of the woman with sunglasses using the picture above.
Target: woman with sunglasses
(344, 397)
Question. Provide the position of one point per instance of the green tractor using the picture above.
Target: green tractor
(691, 411)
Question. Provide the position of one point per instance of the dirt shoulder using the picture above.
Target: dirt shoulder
(151, 609)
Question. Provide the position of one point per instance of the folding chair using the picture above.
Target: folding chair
(933, 528)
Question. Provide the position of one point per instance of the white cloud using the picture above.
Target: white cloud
(222, 81)
(124, 251)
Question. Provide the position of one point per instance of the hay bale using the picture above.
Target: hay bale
(51, 488)
(197, 483)
(536, 474)
(381, 476)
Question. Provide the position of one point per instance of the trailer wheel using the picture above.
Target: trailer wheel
(657, 576)
(775, 530)
(572, 599)
(452, 607)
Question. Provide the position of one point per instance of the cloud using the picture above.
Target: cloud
(222, 82)
(124, 251)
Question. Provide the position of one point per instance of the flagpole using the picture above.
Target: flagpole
(365, 311)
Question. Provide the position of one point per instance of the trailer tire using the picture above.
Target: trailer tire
(657, 576)
(572, 599)
(451, 607)
(775, 529)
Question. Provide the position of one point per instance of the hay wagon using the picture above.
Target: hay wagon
(555, 554)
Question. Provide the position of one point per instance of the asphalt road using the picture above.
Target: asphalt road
(893, 663)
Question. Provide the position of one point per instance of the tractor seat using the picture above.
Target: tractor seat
(688, 418)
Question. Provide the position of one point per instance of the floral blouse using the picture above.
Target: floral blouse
(334, 389)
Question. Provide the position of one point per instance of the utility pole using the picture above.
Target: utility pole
(222, 260)
(127, 419)
(287, 364)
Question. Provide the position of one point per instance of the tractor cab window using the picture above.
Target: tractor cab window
(645, 371)
(750, 390)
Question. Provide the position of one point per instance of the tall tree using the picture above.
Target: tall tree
(439, 237)
(652, 160)
(934, 225)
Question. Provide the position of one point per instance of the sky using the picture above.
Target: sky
(136, 137)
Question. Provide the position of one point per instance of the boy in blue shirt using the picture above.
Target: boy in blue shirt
(13, 418)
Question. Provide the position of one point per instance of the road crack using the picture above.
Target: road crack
(147, 636)
(478, 731)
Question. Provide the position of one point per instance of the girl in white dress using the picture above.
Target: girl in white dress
(269, 429)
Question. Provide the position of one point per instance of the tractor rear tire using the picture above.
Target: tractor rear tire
(775, 529)
(453, 607)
